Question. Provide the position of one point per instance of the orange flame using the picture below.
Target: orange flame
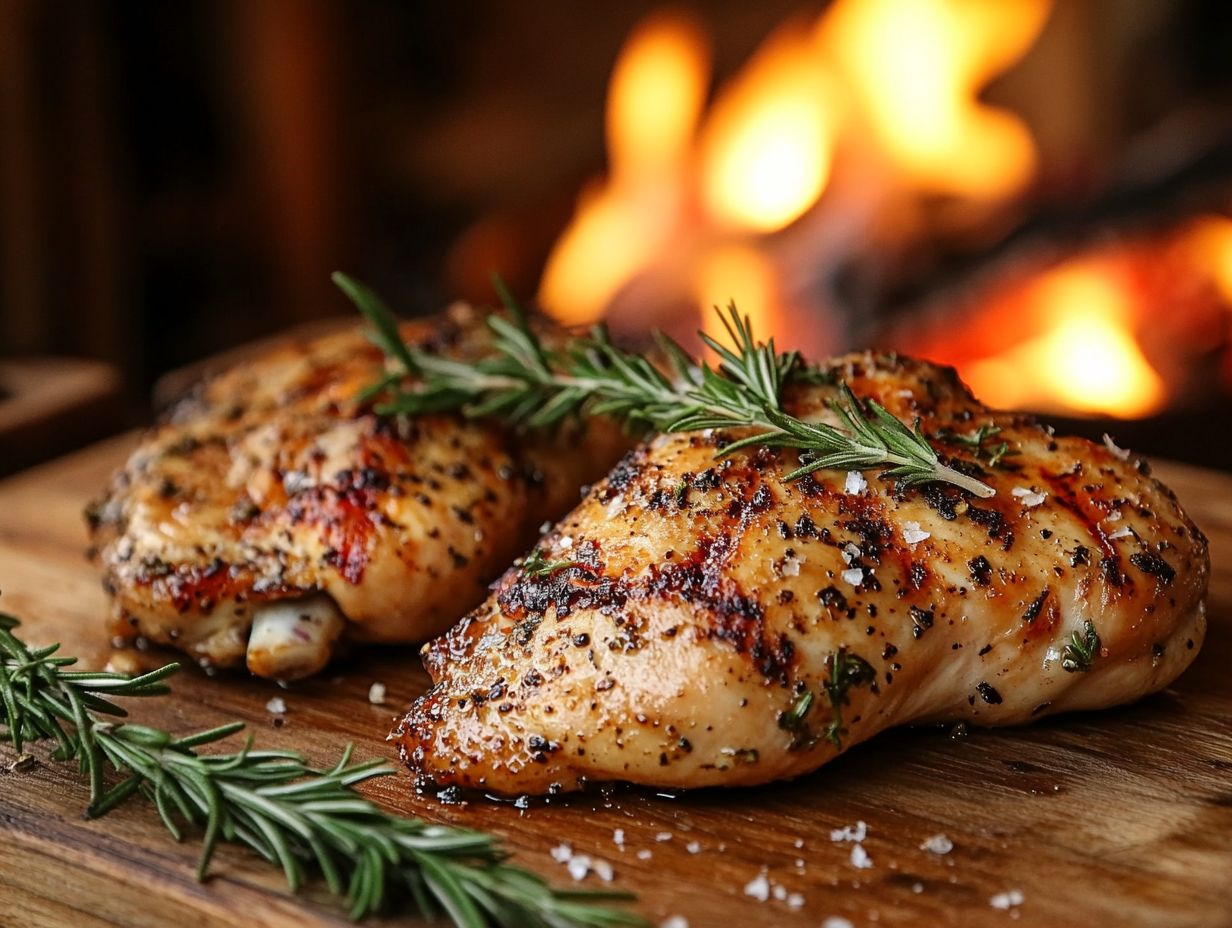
(1086, 358)
(898, 78)
(767, 144)
(654, 102)
(917, 66)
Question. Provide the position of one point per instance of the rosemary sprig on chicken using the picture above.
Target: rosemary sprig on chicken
(296, 817)
(531, 386)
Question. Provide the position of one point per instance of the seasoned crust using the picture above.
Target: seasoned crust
(273, 481)
(706, 597)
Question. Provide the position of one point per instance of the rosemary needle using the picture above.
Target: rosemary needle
(304, 820)
(529, 385)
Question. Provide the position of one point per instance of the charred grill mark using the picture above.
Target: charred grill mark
(1154, 565)
(1085, 506)
(994, 522)
(980, 570)
(1035, 608)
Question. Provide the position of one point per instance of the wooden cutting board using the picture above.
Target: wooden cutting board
(1121, 817)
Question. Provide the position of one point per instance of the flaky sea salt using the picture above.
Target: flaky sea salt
(693, 847)
(853, 575)
(795, 901)
(578, 866)
(276, 706)
(376, 694)
(849, 553)
(938, 844)
(1030, 498)
(1111, 445)
(836, 921)
(663, 836)
(758, 888)
(1123, 532)
(603, 870)
(790, 566)
(855, 483)
(674, 921)
(561, 853)
(618, 837)
(857, 832)
(644, 854)
(913, 534)
(1006, 900)
(860, 859)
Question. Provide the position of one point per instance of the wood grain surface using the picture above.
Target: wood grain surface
(1117, 818)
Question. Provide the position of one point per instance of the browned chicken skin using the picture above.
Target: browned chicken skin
(272, 515)
(717, 625)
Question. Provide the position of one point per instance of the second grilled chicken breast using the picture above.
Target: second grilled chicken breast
(699, 622)
(273, 516)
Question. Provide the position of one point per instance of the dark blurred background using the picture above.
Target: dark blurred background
(177, 179)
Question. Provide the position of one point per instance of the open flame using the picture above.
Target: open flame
(1084, 358)
(769, 138)
(840, 137)
(917, 66)
(690, 188)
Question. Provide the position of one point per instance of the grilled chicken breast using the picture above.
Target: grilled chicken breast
(699, 622)
(273, 516)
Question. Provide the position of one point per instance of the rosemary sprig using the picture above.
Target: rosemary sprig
(1080, 651)
(976, 440)
(536, 566)
(845, 670)
(296, 817)
(531, 386)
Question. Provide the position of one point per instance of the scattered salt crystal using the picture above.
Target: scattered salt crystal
(1030, 498)
(860, 859)
(799, 863)
(758, 888)
(1111, 445)
(913, 534)
(857, 832)
(849, 553)
(566, 542)
(644, 854)
(674, 921)
(603, 870)
(693, 847)
(799, 842)
(561, 853)
(1114, 516)
(938, 844)
(779, 892)
(578, 866)
(917, 888)
(615, 506)
(790, 567)
(856, 483)
(834, 921)
(795, 901)
(1006, 900)
(1123, 532)
(663, 836)
(853, 575)
(276, 706)
(376, 694)
(618, 837)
